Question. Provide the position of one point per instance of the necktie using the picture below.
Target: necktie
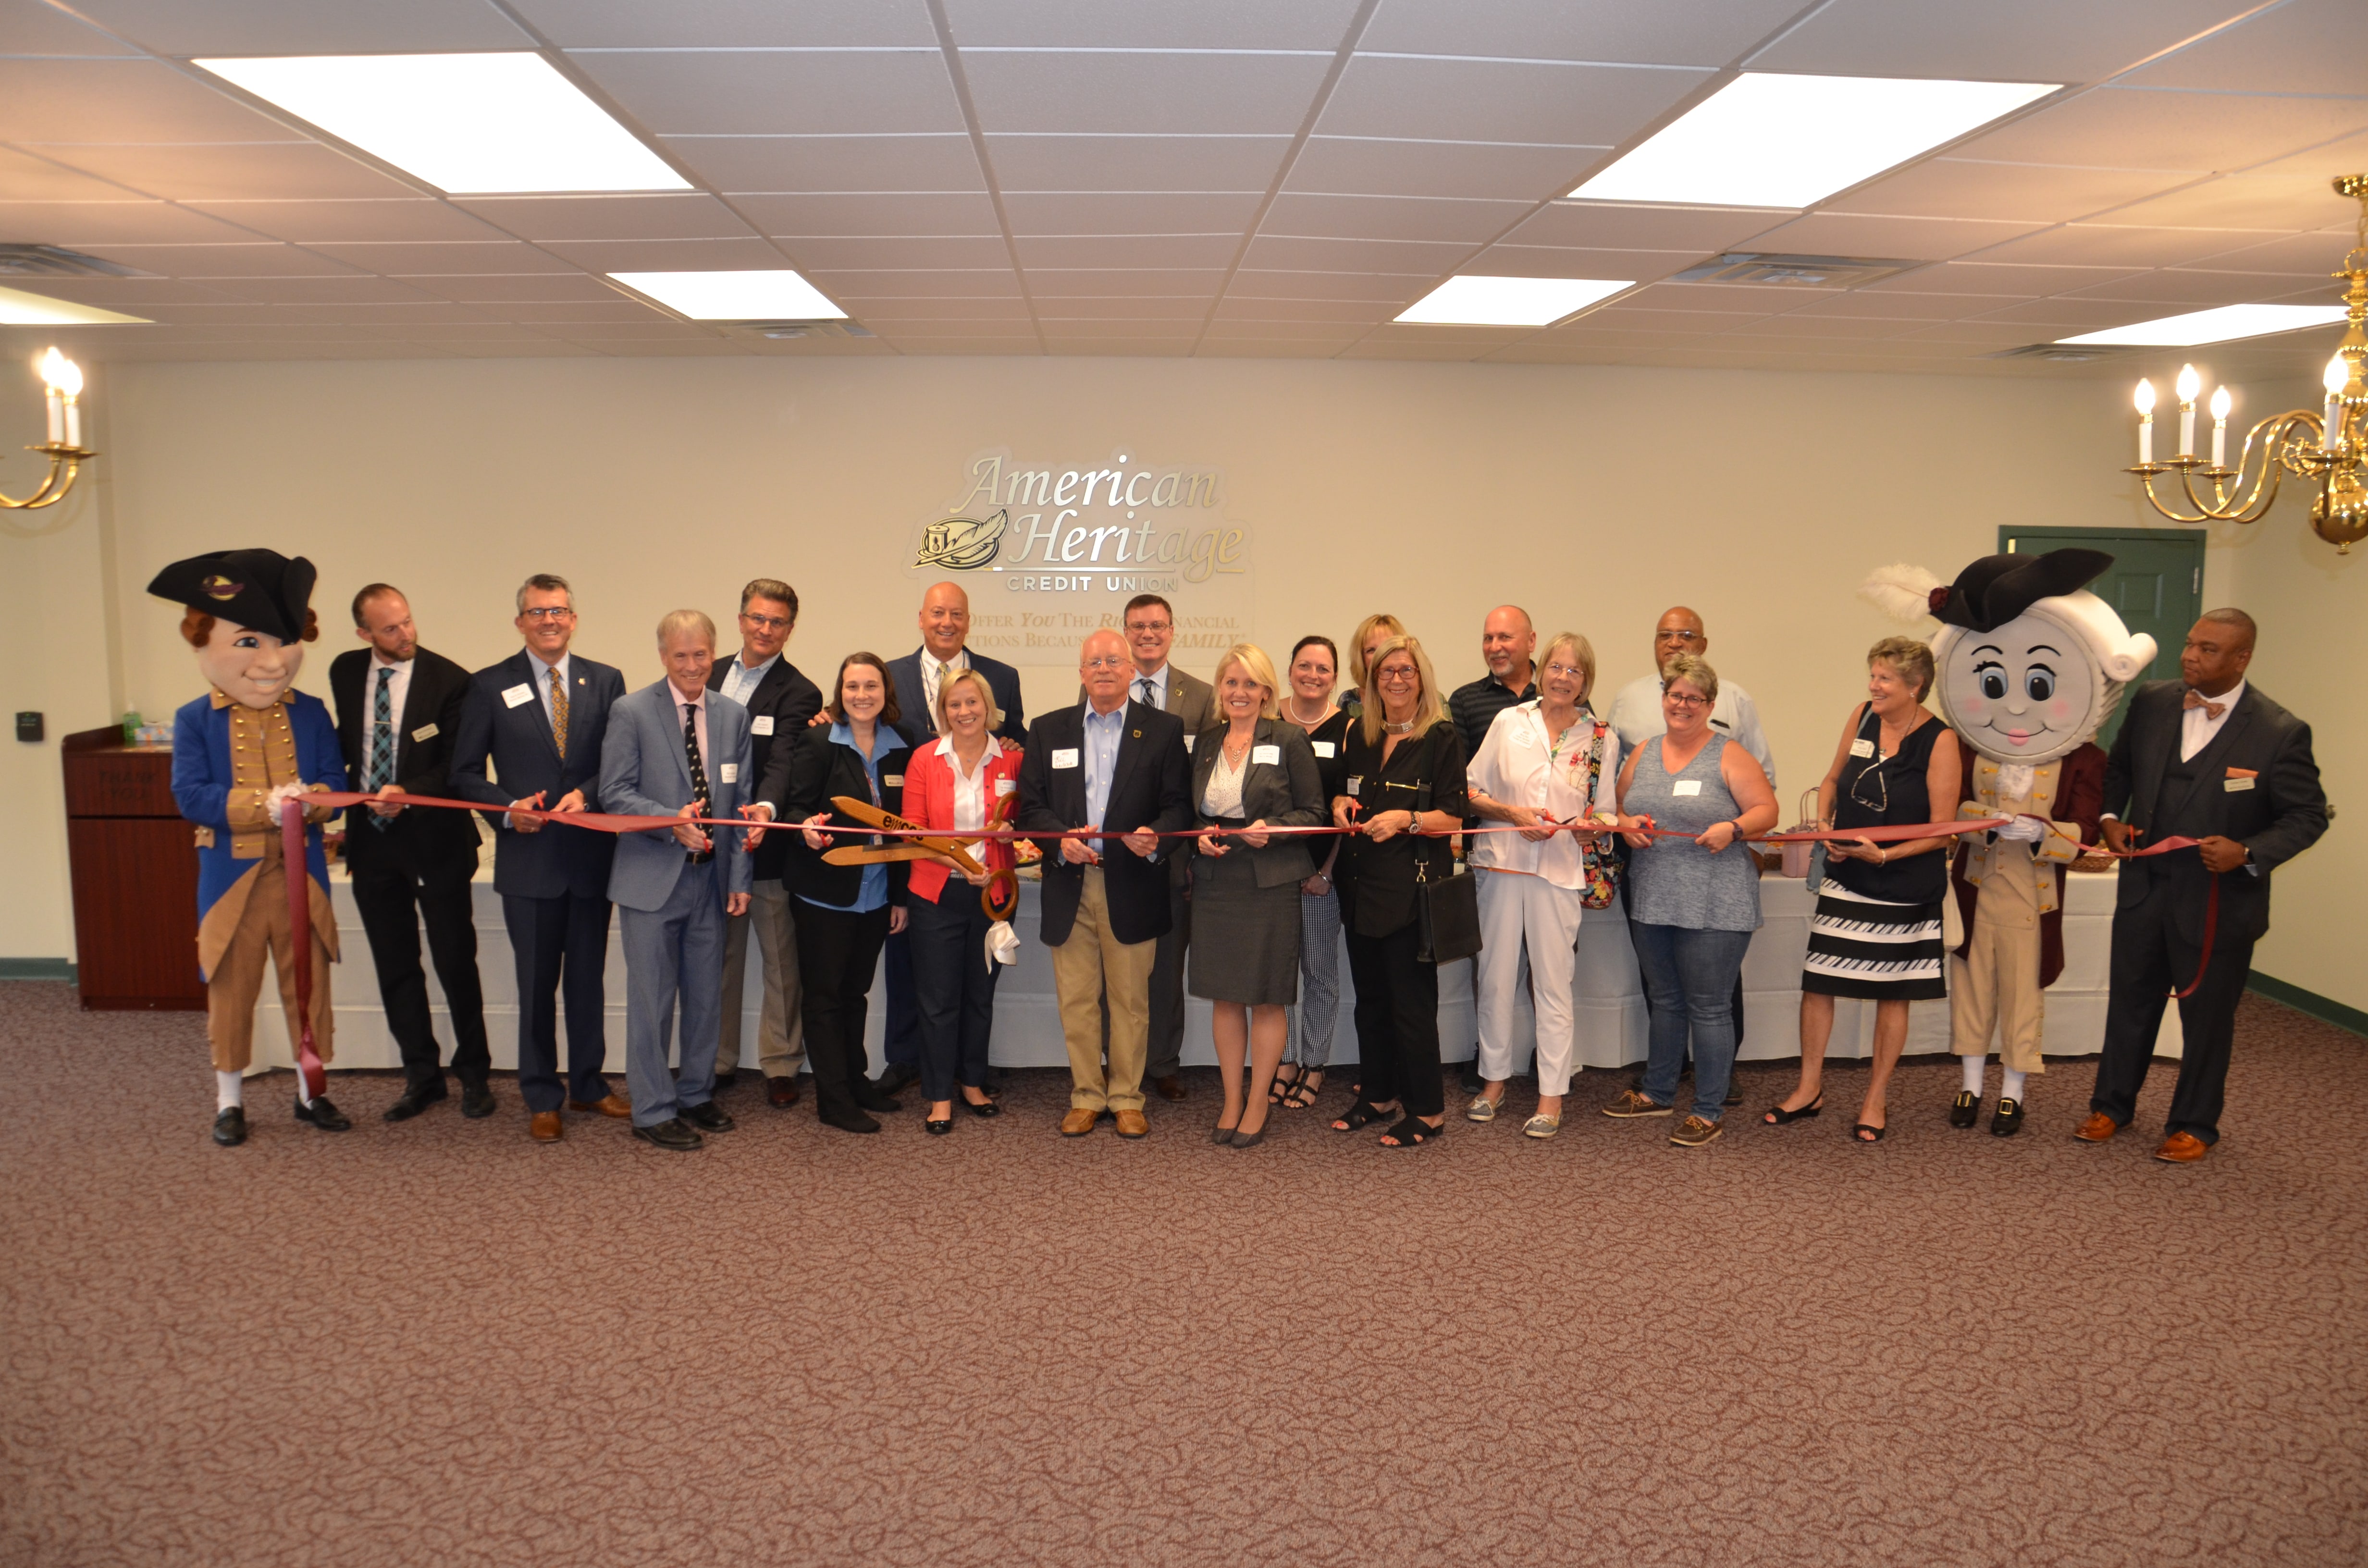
(698, 773)
(381, 768)
(2196, 699)
(559, 712)
(1142, 692)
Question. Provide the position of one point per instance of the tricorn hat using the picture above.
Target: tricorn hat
(260, 589)
(1996, 588)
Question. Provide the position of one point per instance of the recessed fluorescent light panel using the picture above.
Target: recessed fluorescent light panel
(1775, 140)
(20, 309)
(1509, 301)
(469, 124)
(734, 296)
(2214, 326)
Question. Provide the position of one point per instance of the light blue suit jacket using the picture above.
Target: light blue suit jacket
(643, 772)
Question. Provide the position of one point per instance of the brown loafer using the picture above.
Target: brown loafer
(1131, 1124)
(610, 1104)
(1078, 1122)
(544, 1127)
(1170, 1087)
(2182, 1149)
(2097, 1128)
(782, 1092)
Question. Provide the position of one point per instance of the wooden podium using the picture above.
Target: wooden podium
(134, 863)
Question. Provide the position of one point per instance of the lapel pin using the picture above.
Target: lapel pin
(1137, 735)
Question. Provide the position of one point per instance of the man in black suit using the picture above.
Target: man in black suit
(2206, 757)
(398, 713)
(945, 632)
(1103, 763)
(539, 718)
(780, 701)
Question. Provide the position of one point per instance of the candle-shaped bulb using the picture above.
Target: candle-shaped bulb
(2220, 427)
(2338, 373)
(57, 370)
(2144, 399)
(2189, 383)
(2220, 405)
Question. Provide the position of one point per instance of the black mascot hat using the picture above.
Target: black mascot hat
(258, 588)
(1996, 588)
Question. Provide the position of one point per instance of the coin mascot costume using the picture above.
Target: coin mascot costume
(2030, 665)
(250, 743)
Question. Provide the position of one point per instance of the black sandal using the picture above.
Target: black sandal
(1413, 1133)
(1857, 1133)
(1778, 1115)
(1358, 1116)
(1281, 1090)
(1301, 1097)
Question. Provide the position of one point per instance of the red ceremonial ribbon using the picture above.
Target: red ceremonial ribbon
(298, 877)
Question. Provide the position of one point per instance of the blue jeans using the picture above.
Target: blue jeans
(1689, 976)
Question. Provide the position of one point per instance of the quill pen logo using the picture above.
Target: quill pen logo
(963, 544)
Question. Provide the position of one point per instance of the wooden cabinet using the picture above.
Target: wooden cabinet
(134, 863)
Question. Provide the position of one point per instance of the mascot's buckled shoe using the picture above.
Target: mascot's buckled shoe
(2007, 1119)
(1967, 1109)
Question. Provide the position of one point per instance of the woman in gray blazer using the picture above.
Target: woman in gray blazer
(1251, 773)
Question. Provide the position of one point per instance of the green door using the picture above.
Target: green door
(2156, 584)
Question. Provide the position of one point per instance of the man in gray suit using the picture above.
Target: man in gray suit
(675, 748)
(1150, 634)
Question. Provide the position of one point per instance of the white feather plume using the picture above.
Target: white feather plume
(1902, 591)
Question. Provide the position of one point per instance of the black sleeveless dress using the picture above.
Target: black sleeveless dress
(1876, 931)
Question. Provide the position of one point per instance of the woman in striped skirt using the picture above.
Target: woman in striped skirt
(1876, 932)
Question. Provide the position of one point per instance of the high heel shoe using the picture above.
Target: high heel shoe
(1252, 1140)
(1221, 1135)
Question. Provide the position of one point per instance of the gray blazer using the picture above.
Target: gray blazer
(1289, 793)
(644, 772)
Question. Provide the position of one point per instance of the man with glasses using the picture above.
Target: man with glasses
(780, 702)
(539, 718)
(1508, 641)
(1636, 718)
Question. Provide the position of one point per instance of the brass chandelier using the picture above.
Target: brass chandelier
(63, 448)
(2323, 445)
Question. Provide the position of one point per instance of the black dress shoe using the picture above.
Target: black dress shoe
(1473, 1082)
(1966, 1108)
(1170, 1086)
(414, 1100)
(980, 1108)
(871, 1097)
(939, 1129)
(895, 1077)
(675, 1134)
(725, 1080)
(323, 1115)
(708, 1118)
(476, 1101)
(230, 1127)
(850, 1120)
(2007, 1120)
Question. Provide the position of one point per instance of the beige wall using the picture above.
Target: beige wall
(1595, 497)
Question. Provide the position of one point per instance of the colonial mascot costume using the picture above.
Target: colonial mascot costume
(2030, 665)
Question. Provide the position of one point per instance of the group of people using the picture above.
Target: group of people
(1185, 852)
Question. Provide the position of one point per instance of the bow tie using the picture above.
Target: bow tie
(2211, 710)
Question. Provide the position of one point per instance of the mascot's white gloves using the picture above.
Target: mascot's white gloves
(280, 796)
(2026, 830)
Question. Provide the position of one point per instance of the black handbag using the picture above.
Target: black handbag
(1449, 912)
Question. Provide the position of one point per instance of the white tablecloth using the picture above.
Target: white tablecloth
(1611, 1006)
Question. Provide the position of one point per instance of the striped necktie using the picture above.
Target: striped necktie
(559, 712)
(698, 773)
(381, 768)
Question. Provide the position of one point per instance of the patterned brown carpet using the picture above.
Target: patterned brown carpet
(436, 1343)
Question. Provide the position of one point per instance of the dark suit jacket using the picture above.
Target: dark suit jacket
(515, 740)
(778, 709)
(422, 841)
(1150, 788)
(2279, 816)
(1194, 703)
(1287, 793)
(918, 724)
(813, 769)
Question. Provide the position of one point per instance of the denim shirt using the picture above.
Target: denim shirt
(875, 893)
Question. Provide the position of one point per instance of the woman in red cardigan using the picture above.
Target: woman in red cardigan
(954, 785)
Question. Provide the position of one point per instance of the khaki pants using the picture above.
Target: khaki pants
(237, 980)
(782, 1027)
(1995, 987)
(1090, 964)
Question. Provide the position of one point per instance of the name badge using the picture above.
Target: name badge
(1356, 783)
(1686, 786)
(729, 772)
(1065, 757)
(1327, 749)
(1003, 786)
(1187, 743)
(517, 694)
(1524, 738)
(892, 781)
(425, 732)
(1861, 747)
(1267, 753)
(2234, 785)
(762, 724)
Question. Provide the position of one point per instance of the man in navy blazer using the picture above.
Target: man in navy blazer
(945, 630)
(539, 718)
(676, 749)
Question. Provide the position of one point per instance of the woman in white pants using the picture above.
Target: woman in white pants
(1545, 762)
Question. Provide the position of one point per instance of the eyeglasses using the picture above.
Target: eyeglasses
(1684, 702)
(1106, 663)
(1874, 770)
(1573, 671)
(1677, 636)
(765, 622)
(1396, 676)
(1149, 625)
(548, 613)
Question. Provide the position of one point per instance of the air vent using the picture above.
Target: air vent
(784, 330)
(1793, 272)
(2061, 353)
(50, 261)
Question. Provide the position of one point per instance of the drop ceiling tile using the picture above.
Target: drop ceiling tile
(692, 216)
(852, 215)
(2306, 46)
(414, 219)
(668, 255)
(441, 315)
(2296, 198)
(122, 100)
(357, 288)
(1237, 310)
(1103, 251)
(443, 258)
(1731, 299)
(1059, 314)
(729, 93)
(224, 261)
(2310, 256)
(1009, 308)
(1571, 261)
(504, 290)
(1147, 213)
(2329, 292)
(731, 24)
(24, 177)
(1826, 328)
(84, 224)
(1096, 24)
(132, 296)
(616, 308)
(2041, 193)
(1262, 284)
(203, 172)
(2019, 41)
(2190, 287)
(956, 326)
(964, 346)
(920, 251)
(1671, 32)
(1155, 93)
(1636, 318)
(1987, 277)
(1293, 254)
(1355, 166)
(1624, 226)
(1390, 218)
(1413, 349)
(2069, 315)
(30, 28)
(1995, 334)
(982, 283)
(937, 161)
(1132, 349)
(652, 328)
(664, 348)
(308, 27)
(1498, 101)
(1049, 283)
(1916, 239)
(1895, 305)
(1136, 163)
(1269, 347)
(2198, 132)
(2103, 244)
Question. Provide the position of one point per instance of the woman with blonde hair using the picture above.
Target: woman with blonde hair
(1364, 642)
(1405, 796)
(1252, 772)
